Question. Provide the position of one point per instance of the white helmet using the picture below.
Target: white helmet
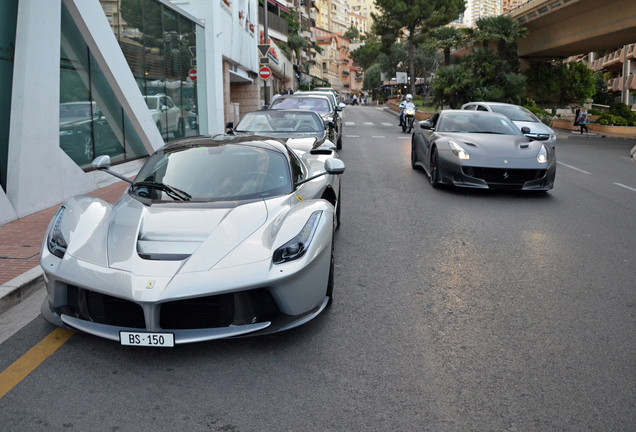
(409, 98)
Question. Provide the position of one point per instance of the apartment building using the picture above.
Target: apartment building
(476, 9)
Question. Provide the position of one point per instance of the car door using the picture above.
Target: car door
(424, 154)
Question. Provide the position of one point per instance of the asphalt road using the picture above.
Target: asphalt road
(454, 310)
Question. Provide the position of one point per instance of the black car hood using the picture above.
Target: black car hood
(496, 145)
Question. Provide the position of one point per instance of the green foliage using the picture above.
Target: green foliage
(505, 32)
(602, 121)
(452, 84)
(445, 39)
(612, 120)
(352, 33)
(537, 111)
(372, 79)
(601, 96)
(594, 112)
(366, 54)
(622, 110)
(284, 48)
(412, 19)
(561, 83)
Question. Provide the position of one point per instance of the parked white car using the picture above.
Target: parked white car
(520, 116)
(166, 114)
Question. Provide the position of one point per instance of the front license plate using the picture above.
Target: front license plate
(147, 339)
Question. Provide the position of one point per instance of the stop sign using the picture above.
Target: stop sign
(193, 74)
(265, 72)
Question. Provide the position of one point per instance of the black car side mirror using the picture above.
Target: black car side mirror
(425, 125)
(525, 130)
(230, 126)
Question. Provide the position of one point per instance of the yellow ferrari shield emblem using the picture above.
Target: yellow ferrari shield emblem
(299, 198)
(150, 285)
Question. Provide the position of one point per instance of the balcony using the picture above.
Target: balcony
(274, 22)
(345, 61)
(345, 73)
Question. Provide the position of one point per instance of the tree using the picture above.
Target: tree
(502, 30)
(372, 78)
(366, 55)
(453, 84)
(352, 33)
(447, 38)
(412, 19)
(561, 83)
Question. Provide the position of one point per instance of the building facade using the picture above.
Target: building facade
(476, 9)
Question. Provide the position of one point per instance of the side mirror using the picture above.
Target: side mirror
(264, 107)
(164, 108)
(525, 130)
(334, 166)
(342, 105)
(331, 124)
(425, 125)
(229, 125)
(101, 162)
(338, 108)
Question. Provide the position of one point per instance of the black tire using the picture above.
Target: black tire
(338, 208)
(339, 143)
(330, 283)
(179, 132)
(434, 175)
(404, 127)
(413, 155)
(410, 125)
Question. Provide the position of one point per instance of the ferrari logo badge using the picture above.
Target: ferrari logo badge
(299, 198)
(150, 285)
(506, 175)
(505, 161)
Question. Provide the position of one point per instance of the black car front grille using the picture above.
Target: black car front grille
(504, 176)
(198, 313)
(104, 309)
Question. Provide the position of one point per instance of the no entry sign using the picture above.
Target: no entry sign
(193, 74)
(265, 72)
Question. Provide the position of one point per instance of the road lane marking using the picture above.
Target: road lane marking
(626, 187)
(26, 364)
(404, 137)
(381, 109)
(350, 123)
(352, 136)
(378, 137)
(574, 168)
(368, 123)
(387, 124)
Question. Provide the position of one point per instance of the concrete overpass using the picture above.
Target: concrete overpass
(564, 28)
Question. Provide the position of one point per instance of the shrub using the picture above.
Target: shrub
(609, 119)
(624, 111)
(602, 122)
(620, 121)
(595, 112)
(536, 110)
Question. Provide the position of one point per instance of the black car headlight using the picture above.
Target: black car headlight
(296, 247)
(55, 241)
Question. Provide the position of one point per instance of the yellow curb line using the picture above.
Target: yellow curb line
(26, 364)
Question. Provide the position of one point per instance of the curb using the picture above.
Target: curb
(21, 287)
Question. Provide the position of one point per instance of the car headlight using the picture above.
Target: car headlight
(296, 247)
(458, 150)
(542, 157)
(552, 138)
(55, 241)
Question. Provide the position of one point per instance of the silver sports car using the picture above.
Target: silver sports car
(217, 237)
(481, 150)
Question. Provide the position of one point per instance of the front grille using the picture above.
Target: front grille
(198, 313)
(104, 309)
(504, 176)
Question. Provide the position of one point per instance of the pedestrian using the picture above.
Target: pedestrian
(355, 100)
(583, 121)
(576, 115)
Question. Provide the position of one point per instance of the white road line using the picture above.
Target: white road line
(403, 137)
(387, 124)
(381, 109)
(352, 136)
(626, 187)
(574, 168)
(350, 123)
(378, 137)
(368, 123)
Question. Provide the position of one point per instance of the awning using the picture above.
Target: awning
(280, 6)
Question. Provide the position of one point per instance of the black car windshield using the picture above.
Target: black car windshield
(269, 122)
(476, 122)
(515, 113)
(227, 172)
(320, 105)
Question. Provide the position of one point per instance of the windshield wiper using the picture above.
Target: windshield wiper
(171, 191)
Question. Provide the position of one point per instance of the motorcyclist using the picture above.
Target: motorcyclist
(407, 103)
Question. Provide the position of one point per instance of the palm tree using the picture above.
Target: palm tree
(453, 84)
(447, 38)
(502, 30)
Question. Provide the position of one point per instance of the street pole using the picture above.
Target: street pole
(265, 41)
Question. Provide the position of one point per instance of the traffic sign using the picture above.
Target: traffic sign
(193, 74)
(263, 48)
(265, 72)
(264, 60)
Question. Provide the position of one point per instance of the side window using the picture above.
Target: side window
(434, 119)
(482, 108)
(296, 167)
(470, 107)
(170, 103)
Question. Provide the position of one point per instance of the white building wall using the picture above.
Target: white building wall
(226, 37)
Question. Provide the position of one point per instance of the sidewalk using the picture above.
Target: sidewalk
(20, 243)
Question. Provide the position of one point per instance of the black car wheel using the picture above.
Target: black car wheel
(180, 129)
(338, 208)
(434, 175)
(413, 155)
(330, 283)
(404, 126)
(410, 125)
(339, 143)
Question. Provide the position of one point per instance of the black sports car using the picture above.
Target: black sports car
(481, 150)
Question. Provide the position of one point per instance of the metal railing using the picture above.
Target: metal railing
(274, 22)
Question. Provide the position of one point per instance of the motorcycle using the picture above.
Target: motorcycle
(192, 118)
(409, 118)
